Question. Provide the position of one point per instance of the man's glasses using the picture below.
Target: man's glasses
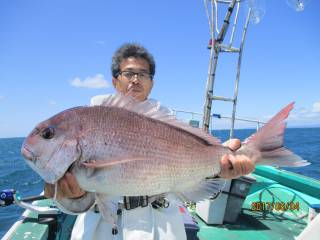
(143, 76)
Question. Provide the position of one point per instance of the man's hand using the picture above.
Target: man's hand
(235, 166)
(68, 187)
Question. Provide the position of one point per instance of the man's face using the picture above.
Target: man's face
(134, 78)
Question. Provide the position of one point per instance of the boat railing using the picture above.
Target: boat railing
(194, 118)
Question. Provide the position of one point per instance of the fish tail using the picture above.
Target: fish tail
(268, 143)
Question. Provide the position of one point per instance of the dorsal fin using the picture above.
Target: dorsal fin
(153, 109)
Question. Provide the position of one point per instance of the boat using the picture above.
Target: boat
(270, 203)
(276, 207)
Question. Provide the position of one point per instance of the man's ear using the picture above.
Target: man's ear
(115, 82)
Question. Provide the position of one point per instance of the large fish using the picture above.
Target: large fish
(130, 148)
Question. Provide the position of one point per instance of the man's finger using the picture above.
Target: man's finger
(243, 163)
(234, 144)
(63, 189)
(250, 166)
(225, 163)
(48, 190)
(236, 164)
(72, 182)
(73, 185)
(226, 167)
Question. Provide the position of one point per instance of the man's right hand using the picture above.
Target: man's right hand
(68, 187)
(235, 166)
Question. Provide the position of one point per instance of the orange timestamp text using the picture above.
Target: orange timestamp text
(278, 206)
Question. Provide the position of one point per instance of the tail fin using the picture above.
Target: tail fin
(269, 142)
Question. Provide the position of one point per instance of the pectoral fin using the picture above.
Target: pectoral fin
(108, 208)
(110, 163)
(206, 189)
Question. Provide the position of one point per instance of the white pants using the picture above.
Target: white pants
(142, 223)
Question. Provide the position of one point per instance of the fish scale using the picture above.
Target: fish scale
(163, 159)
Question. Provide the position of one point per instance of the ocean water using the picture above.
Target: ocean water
(14, 173)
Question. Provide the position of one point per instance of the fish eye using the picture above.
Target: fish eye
(47, 133)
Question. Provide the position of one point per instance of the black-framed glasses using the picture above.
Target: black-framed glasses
(143, 76)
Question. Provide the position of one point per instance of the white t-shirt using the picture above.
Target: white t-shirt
(140, 223)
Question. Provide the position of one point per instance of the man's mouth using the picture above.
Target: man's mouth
(134, 90)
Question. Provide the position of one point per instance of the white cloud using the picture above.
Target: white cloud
(299, 116)
(316, 107)
(305, 116)
(101, 43)
(52, 102)
(96, 81)
(302, 110)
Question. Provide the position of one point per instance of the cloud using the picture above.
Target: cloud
(298, 117)
(1, 97)
(305, 116)
(316, 107)
(101, 43)
(97, 81)
(52, 102)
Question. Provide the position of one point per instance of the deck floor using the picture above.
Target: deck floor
(253, 225)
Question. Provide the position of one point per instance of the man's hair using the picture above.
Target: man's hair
(131, 50)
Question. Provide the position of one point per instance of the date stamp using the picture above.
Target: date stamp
(278, 206)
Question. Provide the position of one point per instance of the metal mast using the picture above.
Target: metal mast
(218, 47)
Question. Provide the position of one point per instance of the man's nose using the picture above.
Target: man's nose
(135, 79)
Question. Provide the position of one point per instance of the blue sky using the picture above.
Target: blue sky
(45, 46)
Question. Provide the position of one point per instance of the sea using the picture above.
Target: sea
(15, 174)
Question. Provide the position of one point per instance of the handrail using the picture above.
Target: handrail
(257, 121)
(292, 180)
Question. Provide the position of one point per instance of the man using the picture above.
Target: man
(133, 68)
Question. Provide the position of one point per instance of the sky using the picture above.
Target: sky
(56, 55)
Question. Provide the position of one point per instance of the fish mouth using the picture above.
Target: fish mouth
(46, 172)
(62, 174)
(28, 154)
(54, 177)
